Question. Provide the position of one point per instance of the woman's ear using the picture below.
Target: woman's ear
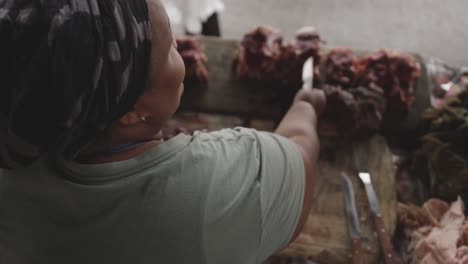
(130, 118)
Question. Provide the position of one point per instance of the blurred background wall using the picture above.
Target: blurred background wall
(430, 27)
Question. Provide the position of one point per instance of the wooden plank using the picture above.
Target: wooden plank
(224, 94)
(325, 237)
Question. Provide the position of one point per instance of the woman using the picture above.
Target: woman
(86, 87)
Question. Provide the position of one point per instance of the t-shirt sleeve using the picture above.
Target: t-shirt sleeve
(254, 195)
(282, 180)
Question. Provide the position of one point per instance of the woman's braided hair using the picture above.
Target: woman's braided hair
(68, 69)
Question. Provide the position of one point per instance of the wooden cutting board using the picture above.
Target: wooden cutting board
(325, 237)
(224, 94)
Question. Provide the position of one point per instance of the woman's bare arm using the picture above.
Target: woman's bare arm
(300, 126)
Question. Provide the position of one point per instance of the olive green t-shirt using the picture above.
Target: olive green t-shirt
(228, 197)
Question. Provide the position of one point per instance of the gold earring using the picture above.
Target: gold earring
(142, 118)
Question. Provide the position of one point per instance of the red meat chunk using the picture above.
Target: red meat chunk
(341, 67)
(258, 54)
(370, 105)
(263, 56)
(192, 52)
(395, 73)
(341, 108)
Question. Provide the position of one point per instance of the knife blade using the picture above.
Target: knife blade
(308, 74)
(354, 229)
(447, 86)
(382, 234)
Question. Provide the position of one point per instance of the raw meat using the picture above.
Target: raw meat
(370, 104)
(258, 54)
(464, 240)
(357, 111)
(263, 56)
(442, 242)
(438, 236)
(393, 71)
(380, 83)
(412, 217)
(462, 255)
(192, 52)
(362, 94)
(289, 67)
(306, 44)
(435, 209)
(341, 67)
(341, 108)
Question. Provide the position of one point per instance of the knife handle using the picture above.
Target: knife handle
(385, 242)
(357, 250)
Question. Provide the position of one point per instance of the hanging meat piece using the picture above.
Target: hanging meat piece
(262, 56)
(341, 108)
(357, 111)
(396, 73)
(306, 44)
(258, 54)
(340, 67)
(288, 67)
(380, 83)
(192, 52)
(370, 106)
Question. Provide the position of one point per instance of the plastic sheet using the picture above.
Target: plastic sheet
(447, 81)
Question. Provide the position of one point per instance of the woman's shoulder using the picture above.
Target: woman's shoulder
(228, 134)
(234, 144)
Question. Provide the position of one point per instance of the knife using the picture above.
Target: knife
(382, 234)
(361, 162)
(308, 74)
(354, 230)
(447, 86)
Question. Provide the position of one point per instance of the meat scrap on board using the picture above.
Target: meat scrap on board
(438, 232)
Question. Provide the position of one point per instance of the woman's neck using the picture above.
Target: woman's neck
(111, 148)
(102, 157)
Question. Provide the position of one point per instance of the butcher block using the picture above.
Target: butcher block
(325, 237)
(224, 94)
